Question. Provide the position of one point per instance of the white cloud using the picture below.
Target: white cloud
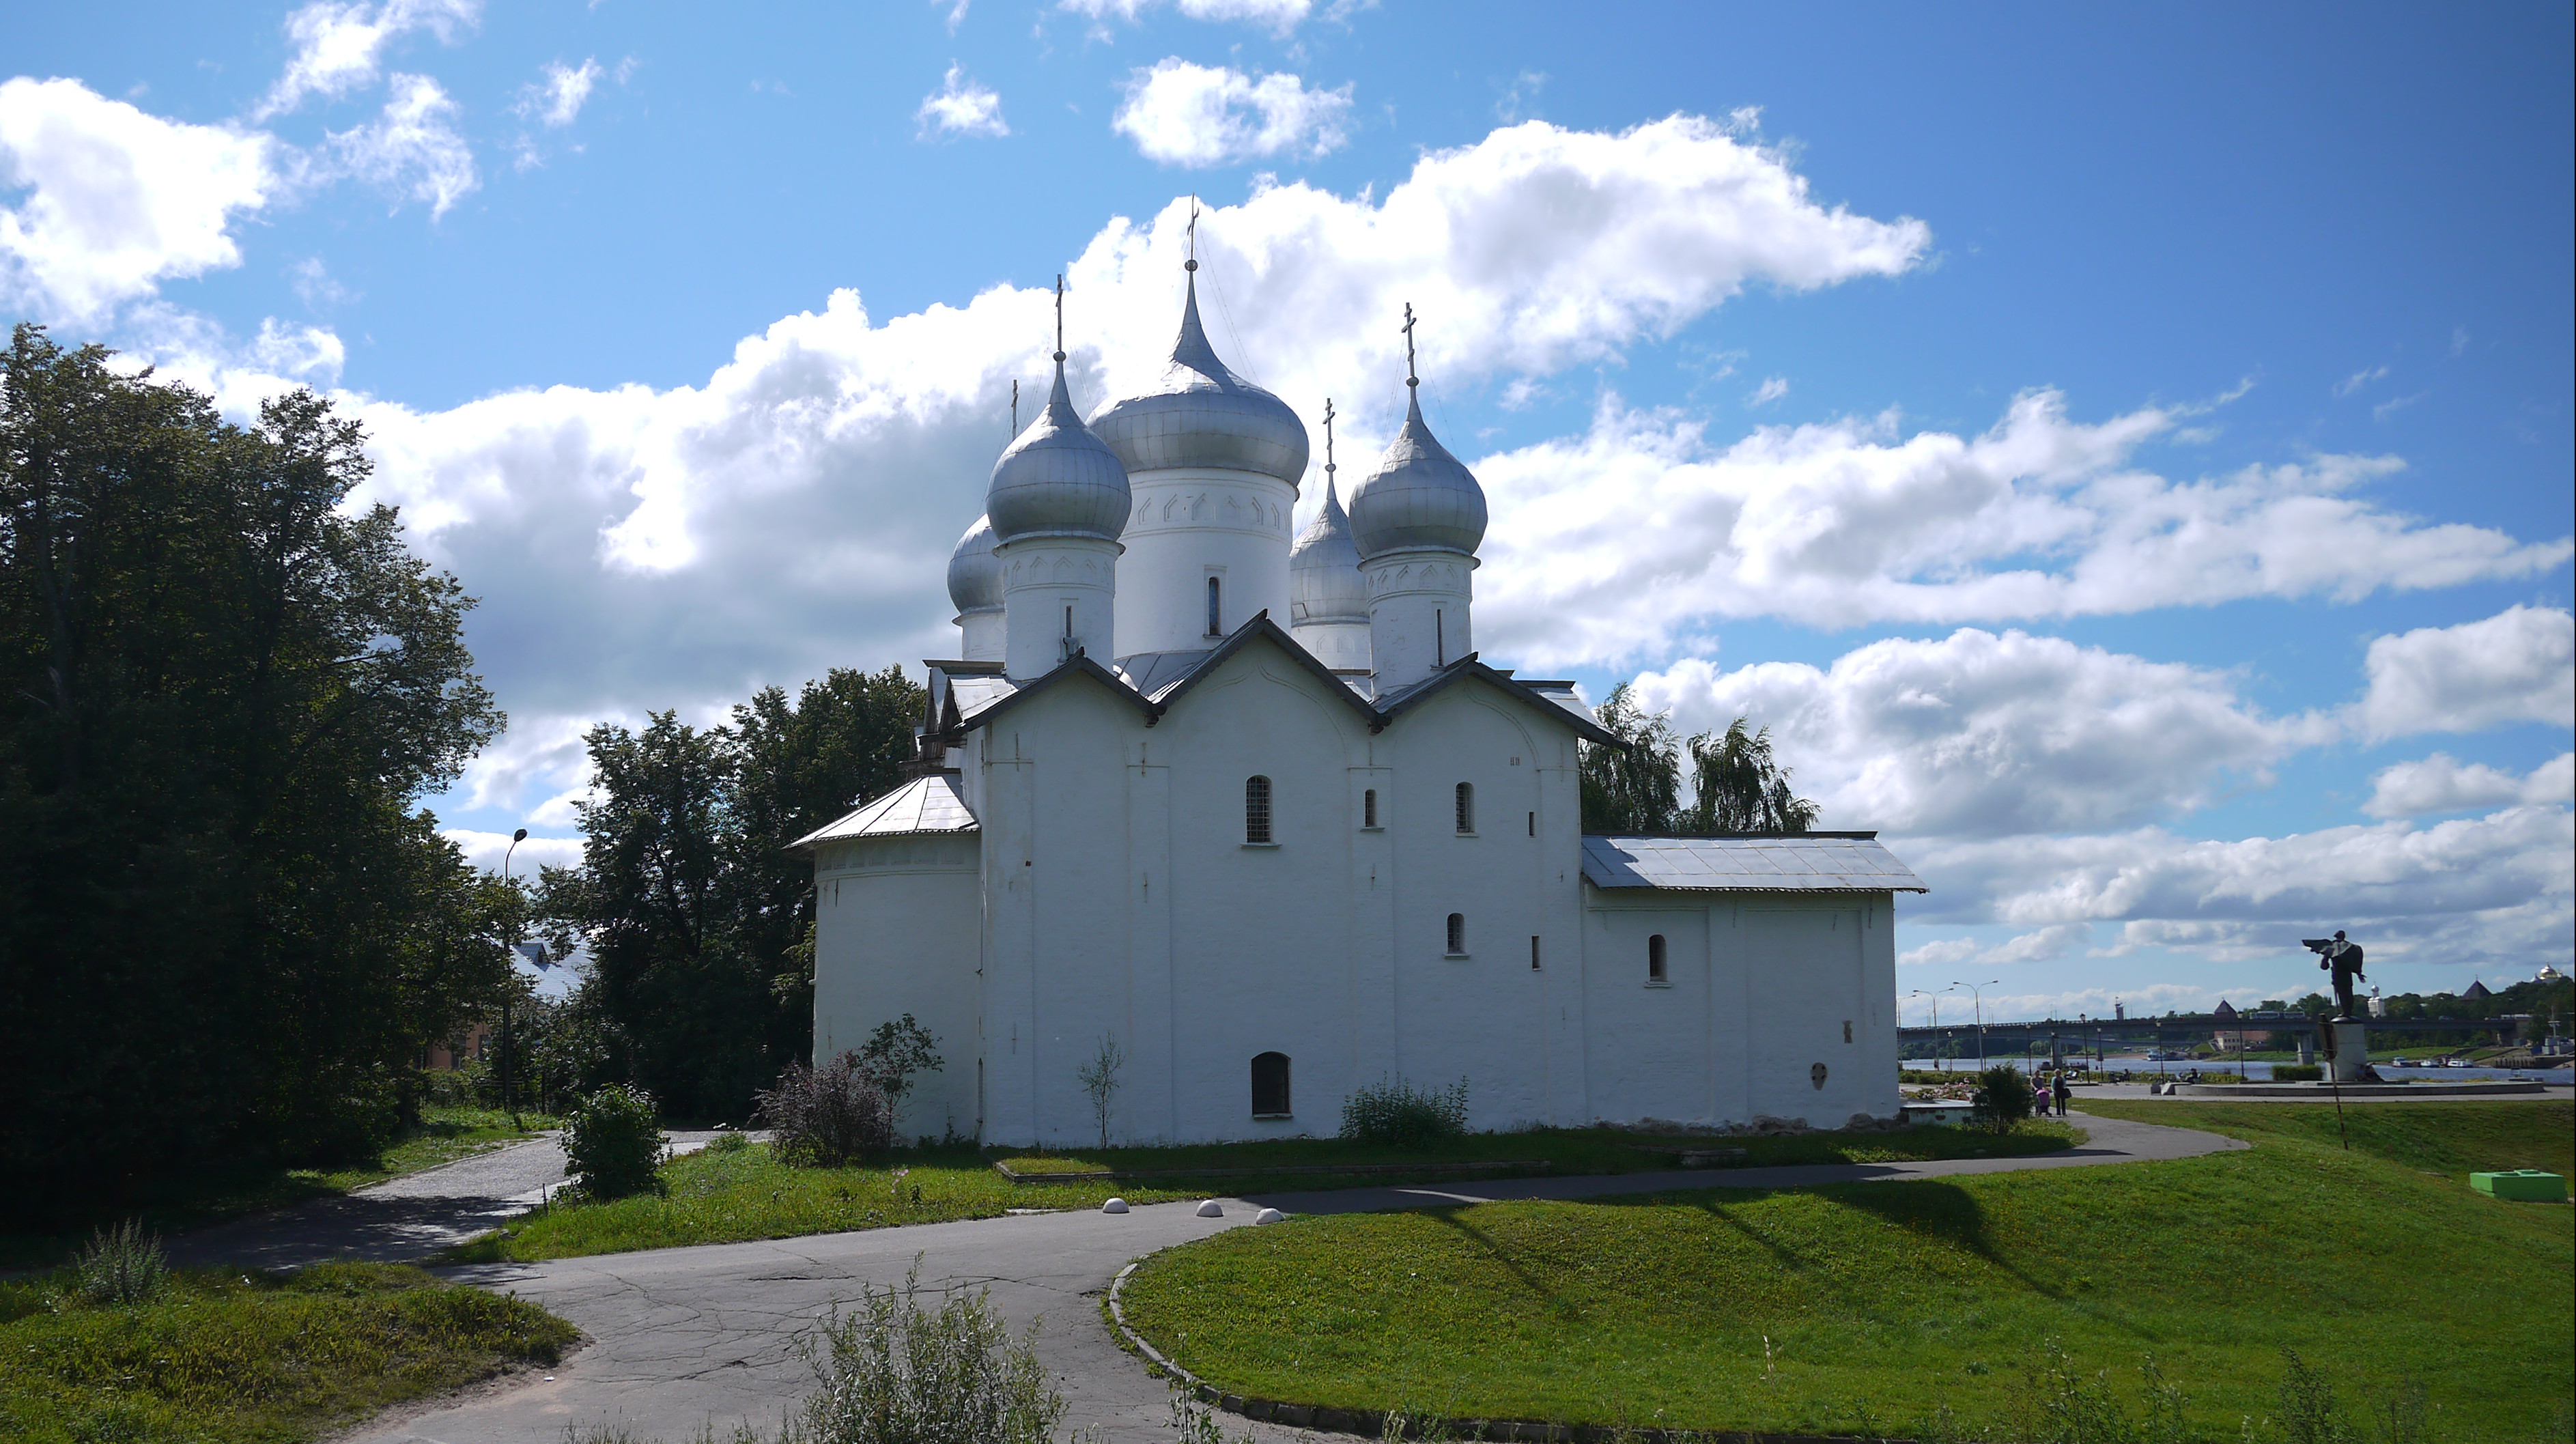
(412, 149)
(1196, 115)
(311, 354)
(117, 200)
(1980, 735)
(1771, 389)
(1619, 542)
(961, 107)
(491, 851)
(1277, 16)
(557, 100)
(2440, 783)
(339, 48)
(2358, 380)
(2042, 945)
(2516, 666)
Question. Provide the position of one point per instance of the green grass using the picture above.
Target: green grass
(1569, 1151)
(447, 1133)
(729, 1197)
(2447, 1139)
(1822, 1309)
(261, 1359)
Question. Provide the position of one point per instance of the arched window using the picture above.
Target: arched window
(1216, 589)
(1466, 807)
(1655, 960)
(1457, 935)
(1270, 1085)
(1256, 809)
(1368, 808)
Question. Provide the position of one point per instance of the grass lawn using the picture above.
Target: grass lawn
(1858, 1308)
(446, 1134)
(219, 1357)
(727, 1197)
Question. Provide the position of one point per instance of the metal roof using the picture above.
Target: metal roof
(927, 804)
(1816, 862)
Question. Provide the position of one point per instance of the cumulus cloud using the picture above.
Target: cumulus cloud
(1614, 543)
(556, 101)
(1196, 115)
(1276, 16)
(2441, 783)
(338, 48)
(2516, 666)
(961, 107)
(117, 201)
(1985, 735)
(2040, 945)
(412, 149)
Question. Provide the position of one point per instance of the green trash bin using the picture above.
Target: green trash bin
(2525, 1185)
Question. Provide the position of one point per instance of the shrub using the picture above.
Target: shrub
(1398, 1114)
(613, 1143)
(2003, 1098)
(728, 1143)
(894, 1372)
(122, 1265)
(2297, 1072)
(893, 1053)
(824, 1117)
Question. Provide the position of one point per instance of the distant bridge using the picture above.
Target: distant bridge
(2074, 1033)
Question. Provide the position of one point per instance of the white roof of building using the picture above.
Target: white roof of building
(928, 804)
(1816, 862)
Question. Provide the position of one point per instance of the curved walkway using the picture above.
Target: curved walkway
(687, 1336)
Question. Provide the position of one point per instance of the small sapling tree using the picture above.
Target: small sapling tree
(1100, 1080)
(895, 1052)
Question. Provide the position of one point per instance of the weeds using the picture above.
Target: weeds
(895, 1372)
(1394, 1112)
(122, 1265)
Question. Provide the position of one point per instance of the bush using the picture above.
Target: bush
(894, 1372)
(613, 1143)
(2298, 1072)
(1402, 1116)
(2003, 1098)
(122, 1265)
(824, 1117)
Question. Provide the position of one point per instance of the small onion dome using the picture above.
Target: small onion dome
(1420, 497)
(1203, 415)
(974, 575)
(1057, 479)
(1324, 570)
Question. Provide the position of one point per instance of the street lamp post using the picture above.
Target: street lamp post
(1977, 991)
(509, 1090)
(1936, 1021)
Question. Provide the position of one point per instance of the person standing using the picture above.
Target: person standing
(2063, 1093)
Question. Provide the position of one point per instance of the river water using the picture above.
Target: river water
(2254, 1068)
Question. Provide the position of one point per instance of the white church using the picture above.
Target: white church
(1248, 804)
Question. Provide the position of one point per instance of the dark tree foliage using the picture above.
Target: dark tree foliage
(1737, 785)
(697, 919)
(224, 929)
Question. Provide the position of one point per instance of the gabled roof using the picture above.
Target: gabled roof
(1809, 862)
(1258, 628)
(1395, 705)
(925, 804)
(1000, 695)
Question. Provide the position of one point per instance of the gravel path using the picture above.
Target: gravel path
(687, 1337)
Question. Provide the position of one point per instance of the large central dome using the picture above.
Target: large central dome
(1202, 415)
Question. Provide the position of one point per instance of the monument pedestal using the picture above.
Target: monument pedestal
(2351, 1051)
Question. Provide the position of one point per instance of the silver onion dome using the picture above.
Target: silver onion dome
(974, 574)
(1203, 415)
(1057, 479)
(1324, 582)
(1420, 497)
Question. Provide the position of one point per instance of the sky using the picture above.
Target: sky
(2122, 452)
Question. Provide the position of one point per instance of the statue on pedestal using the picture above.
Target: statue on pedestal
(2343, 959)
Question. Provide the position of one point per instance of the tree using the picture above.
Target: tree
(1099, 1079)
(893, 1053)
(1738, 786)
(1634, 789)
(224, 928)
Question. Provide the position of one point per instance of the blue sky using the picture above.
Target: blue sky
(2125, 453)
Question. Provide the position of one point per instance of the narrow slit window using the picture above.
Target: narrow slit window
(1270, 1085)
(1068, 621)
(1457, 934)
(1533, 824)
(1216, 590)
(1256, 809)
(1466, 808)
(1368, 808)
(1655, 970)
(1533, 952)
(1439, 642)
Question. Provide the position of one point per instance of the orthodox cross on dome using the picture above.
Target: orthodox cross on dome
(1059, 318)
(1192, 263)
(1328, 443)
(1015, 406)
(1410, 379)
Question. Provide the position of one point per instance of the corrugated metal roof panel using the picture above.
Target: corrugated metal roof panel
(1851, 863)
(928, 804)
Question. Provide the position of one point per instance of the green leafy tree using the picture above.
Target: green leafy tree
(225, 929)
(1633, 789)
(1738, 786)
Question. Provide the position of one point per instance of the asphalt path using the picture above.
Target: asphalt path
(684, 1338)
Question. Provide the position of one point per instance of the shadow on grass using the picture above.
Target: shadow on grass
(1557, 1303)
(1946, 1213)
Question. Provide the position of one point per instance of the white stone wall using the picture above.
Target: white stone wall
(898, 929)
(1187, 526)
